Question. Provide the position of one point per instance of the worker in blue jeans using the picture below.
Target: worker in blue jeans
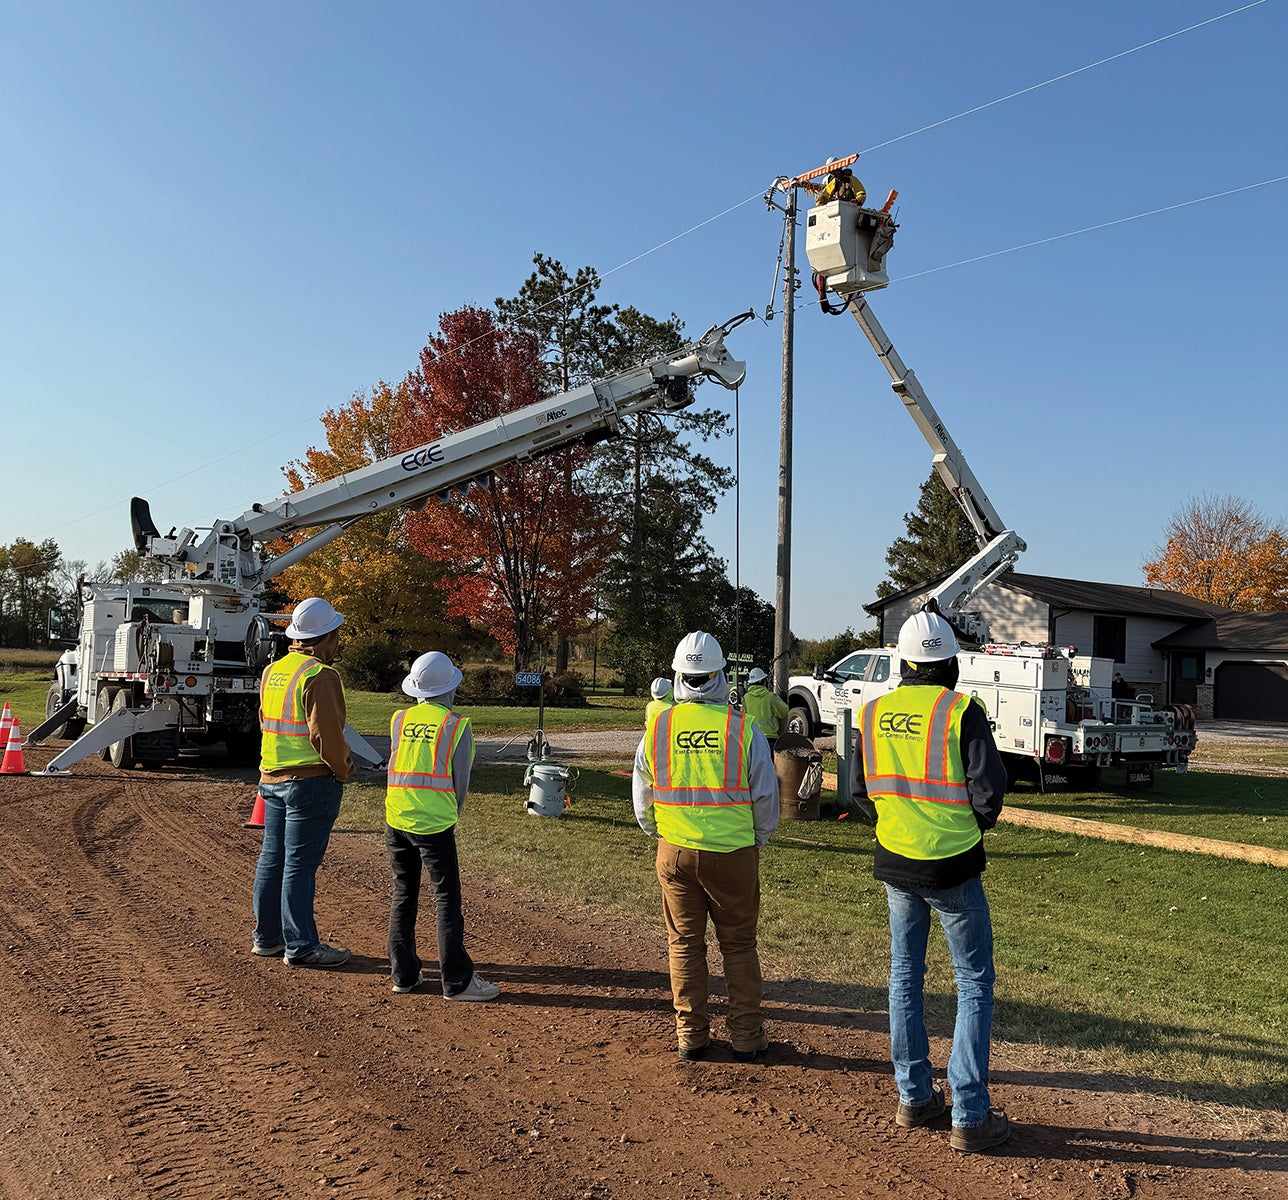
(927, 769)
(304, 762)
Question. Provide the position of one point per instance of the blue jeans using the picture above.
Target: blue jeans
(298, 816)
(963, 913)
(437, 851)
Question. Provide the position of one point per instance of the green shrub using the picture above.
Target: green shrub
(372, 664)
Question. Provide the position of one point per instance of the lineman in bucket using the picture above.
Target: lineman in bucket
(926, 767)
(704, 786)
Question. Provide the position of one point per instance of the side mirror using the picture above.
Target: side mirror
(818, 672)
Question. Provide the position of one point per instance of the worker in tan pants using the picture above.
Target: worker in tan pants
(704, 785)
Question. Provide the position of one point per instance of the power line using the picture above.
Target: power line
(1067, 75)
(1091, 228)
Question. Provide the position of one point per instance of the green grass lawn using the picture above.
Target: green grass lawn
(25, 693)
(1259, 754)
(369, 713)
(1164, 968)
(1230, 808)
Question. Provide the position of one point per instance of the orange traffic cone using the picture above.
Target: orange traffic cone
(256, 814)
(13, 763)
(6, 719)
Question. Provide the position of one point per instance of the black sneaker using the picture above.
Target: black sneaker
(747, 1056)
(322, 955)
(992, 1131)
(912, 1115)
(694, 1053)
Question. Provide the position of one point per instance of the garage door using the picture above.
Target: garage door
(1252, 692)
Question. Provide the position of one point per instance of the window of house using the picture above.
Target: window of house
(1109, 638)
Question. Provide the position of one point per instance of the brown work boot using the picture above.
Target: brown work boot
(992, 1131)
(912, 1115)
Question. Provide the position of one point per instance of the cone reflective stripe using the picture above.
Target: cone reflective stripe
(13, 762)
(256, 814)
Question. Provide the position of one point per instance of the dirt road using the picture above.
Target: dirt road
(147, 1053)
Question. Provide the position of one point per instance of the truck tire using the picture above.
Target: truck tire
(54, 700)
(121, 754)
(102, 710)
(800, 721)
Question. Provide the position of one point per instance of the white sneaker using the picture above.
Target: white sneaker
(478, 988)
(411, 987)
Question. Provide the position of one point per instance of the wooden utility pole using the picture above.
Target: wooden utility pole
(783, 588)
(790, 186)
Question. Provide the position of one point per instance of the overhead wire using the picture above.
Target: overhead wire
(1058, 78)
(758, 195)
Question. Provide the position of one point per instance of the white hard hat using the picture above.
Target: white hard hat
(661, 688)
(756, 676)
(432, 674)
(926, 637)
(313, 618)
(698, 654)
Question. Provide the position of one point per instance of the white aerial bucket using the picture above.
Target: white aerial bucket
(550, 784)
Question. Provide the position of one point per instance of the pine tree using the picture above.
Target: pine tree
(939, 539)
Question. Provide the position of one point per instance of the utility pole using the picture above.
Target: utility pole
(790, 186)
(783, 587)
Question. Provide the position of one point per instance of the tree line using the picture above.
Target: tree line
(599, 547)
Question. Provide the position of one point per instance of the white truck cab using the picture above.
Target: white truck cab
(1046, 704)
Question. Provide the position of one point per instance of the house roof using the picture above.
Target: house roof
(1114, 598)
(1247, 631)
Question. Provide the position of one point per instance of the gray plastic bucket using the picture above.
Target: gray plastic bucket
(550, 785)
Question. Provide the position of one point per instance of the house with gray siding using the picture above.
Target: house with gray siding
(1172, 647)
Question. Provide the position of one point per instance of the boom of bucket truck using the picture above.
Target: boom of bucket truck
(1047, 704)
(179, 661)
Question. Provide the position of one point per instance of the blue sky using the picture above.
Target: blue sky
(219, 221)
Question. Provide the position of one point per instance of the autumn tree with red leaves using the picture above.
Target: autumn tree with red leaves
(1221, 549)
(525, 551)
(385, 588)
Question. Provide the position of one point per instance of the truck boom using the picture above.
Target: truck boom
(180, 660)
(227, 558)
(999, 547)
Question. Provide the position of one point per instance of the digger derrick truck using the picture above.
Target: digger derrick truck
(158, 665)
(1049, 706)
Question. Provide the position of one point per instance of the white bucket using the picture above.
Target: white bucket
(550, 787)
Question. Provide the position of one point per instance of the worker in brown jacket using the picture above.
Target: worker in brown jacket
(304, 762)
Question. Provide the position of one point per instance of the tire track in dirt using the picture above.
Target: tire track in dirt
(186, 1067)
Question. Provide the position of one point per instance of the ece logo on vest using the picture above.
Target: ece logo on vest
(419, 730)
(907, 723)
(278, 679)
(698, 739)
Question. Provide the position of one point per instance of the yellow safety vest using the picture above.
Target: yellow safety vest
(699, 756)
(420, 797)
(913, 767)
(759, 704)
(285, 741)
(653, 708)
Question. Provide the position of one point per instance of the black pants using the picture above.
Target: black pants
(438, 850)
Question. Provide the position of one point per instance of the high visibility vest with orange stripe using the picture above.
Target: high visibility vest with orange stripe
(915, 776)
(285, 741)
(699, 756)
(420, 797)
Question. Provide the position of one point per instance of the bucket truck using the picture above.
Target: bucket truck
(1047, 704)
(160, 664)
